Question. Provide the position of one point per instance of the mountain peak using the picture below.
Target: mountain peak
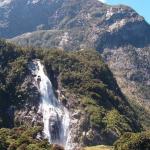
(61, 14)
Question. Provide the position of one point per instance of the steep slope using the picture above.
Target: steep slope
(98, 110)
(117, 32)
(18, 17)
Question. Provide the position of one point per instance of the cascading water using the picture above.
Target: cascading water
(55, 115)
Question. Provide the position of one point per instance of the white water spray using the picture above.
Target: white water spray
(55, 116)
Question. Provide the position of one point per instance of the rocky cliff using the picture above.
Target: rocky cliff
(117, 32)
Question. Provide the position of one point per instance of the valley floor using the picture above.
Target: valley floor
(99, 147)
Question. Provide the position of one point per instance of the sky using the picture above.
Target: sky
(141, 6)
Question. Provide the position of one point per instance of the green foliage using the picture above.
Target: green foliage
(22, 138)
(133, 141)
(116, 121)
(17, 70)
(95, 111)
(85, 74)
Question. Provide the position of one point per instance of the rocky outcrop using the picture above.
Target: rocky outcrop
(28, 115)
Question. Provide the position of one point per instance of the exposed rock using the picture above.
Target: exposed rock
(57, 147)
(130, 65)
(76, 114)
(29, 115)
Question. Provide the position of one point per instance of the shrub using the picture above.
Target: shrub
(133, 141)
(22, 138)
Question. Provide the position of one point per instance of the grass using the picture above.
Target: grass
(99, 147)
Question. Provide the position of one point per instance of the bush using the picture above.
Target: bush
(133, 141)
(22, 138)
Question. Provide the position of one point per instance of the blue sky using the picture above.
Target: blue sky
(141, 6)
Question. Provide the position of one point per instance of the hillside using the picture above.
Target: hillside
(73, 74)
(117, 32)
(133, 141)
(97, 108)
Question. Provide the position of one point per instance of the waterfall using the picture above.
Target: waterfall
(55, 116)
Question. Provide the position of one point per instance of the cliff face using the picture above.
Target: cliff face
(17, 16)
(117, 32)
(98, 109)
(130, 65)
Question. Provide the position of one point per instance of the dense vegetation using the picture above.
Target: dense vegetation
(81, 73)
(85, 74)
(134, 141)
(22, 138)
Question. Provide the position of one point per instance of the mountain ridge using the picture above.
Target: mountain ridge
(105, 91)
(117, 32)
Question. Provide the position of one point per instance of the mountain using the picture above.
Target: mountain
(103, 94)
(117, 32)
(97, 108)
(17, 16)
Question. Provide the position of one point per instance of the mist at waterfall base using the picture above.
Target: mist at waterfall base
(55, 116)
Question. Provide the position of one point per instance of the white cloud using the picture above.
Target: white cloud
(103, 1)
(5, 2)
